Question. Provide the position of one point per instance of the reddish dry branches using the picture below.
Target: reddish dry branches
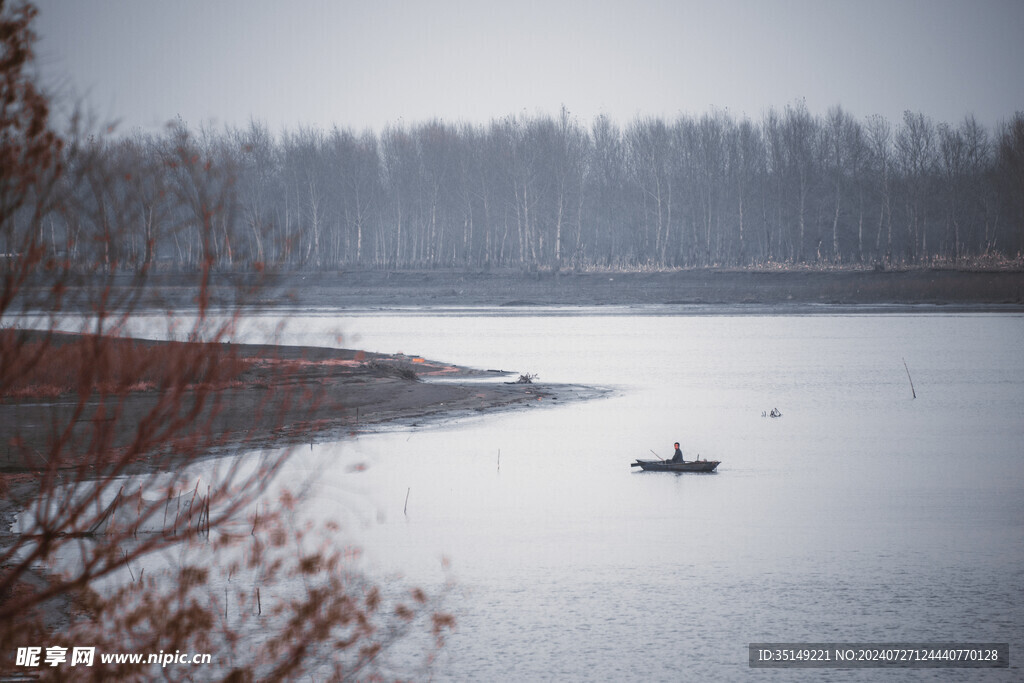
(109, 491)
(30, 153)
(79, 450)
(99, 431)
(297, 592)
(29, 150)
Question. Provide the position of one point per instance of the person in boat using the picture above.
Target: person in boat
(678, 455)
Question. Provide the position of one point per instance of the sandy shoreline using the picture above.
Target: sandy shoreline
(327, 394)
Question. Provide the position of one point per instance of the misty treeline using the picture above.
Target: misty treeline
(547, 192)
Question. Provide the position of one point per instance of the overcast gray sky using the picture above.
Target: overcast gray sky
(366, 64)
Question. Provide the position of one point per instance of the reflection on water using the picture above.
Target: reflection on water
(861, 515)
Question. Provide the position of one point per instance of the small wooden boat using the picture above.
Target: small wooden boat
(669, 466)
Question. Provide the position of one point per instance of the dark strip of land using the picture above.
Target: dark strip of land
(380, 288)
(374, 288)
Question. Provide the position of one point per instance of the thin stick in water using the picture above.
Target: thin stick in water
(913, 393)
(255, 520)
(405, 510)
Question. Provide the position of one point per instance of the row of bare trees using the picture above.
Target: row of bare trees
(548, 192)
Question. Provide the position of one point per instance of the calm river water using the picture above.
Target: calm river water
(861, 515)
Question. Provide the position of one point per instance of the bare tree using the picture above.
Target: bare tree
(400, 160)
(838, 136)
(916, 156)
(100, 429)
(775, 193)
(881, 155)
(977, 193)
(648, 162)
(799, 137)
(256, 160)
(1011, 167)
(604, 188)
(355, 164)
(746, 166)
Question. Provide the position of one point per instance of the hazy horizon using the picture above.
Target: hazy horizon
(367, 66)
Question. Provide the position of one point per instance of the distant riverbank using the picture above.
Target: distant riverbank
(381, 288)
(373, 288)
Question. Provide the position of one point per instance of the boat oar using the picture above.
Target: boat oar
(637, 463)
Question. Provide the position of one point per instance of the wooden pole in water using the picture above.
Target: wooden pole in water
(912, 392)
(405, 510)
